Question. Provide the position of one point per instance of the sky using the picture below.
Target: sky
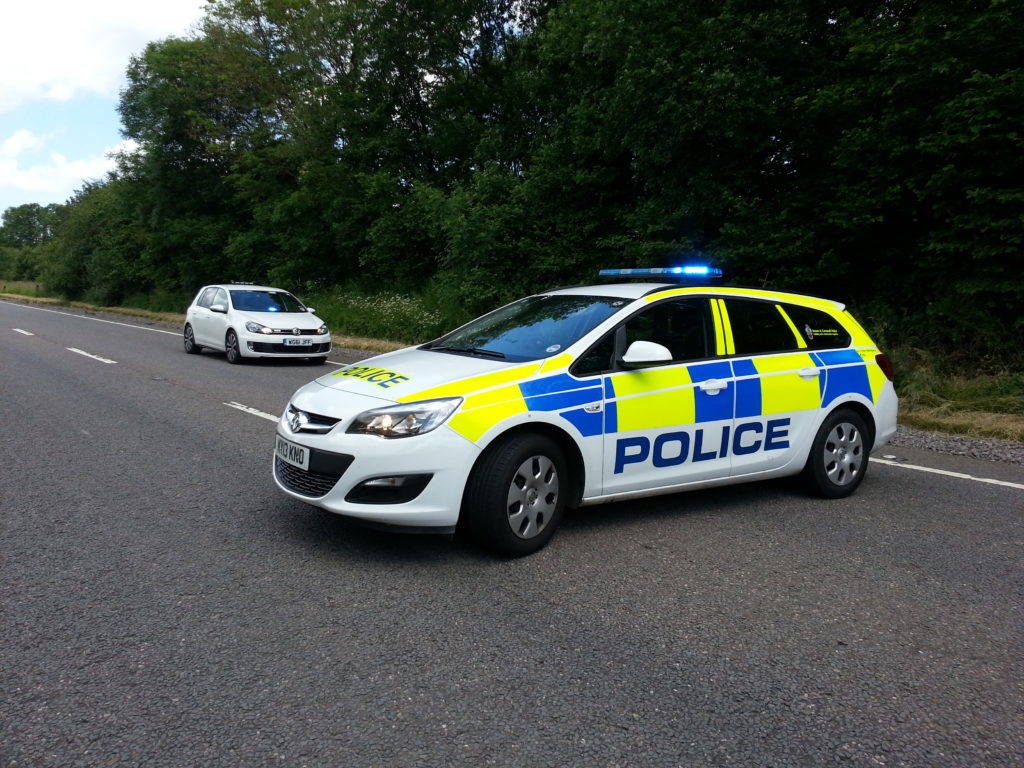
(62, 66)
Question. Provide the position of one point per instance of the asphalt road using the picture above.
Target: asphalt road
(162, 604)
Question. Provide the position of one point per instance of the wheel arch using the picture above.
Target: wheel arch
(570, 450)
(864, 412)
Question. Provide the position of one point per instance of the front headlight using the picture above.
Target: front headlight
(322, 329)
(405, 419)
(252, 327)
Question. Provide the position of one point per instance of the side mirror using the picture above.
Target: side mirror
(219, 308)
(311, 310)
(644, 353)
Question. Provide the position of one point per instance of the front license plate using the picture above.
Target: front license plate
(297, 342)
(289, 452)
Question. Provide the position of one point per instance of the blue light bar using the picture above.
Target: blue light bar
(690, 270)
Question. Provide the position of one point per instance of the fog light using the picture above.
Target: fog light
(390, 489)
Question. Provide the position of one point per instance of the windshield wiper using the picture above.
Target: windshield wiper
(470, 351)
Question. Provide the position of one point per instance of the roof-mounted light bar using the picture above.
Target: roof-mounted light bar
(691, 271)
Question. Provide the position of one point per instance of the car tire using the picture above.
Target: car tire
(318, 360)
(516, 495)
(839, 454)
(191, 347)
(231, 349)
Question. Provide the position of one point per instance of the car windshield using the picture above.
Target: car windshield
(265, 301)
(531, 329)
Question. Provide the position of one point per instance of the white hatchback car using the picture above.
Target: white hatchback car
(245, 320)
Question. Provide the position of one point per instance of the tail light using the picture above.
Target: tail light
(886, 365)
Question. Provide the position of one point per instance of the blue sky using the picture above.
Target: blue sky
(62, 64)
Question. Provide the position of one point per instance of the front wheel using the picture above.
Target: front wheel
(839, 455)
(231, 350)
(516, 495)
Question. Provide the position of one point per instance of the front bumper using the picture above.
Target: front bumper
(433, 470)
(262, 345)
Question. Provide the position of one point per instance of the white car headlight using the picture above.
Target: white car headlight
(405, 419)
(252, 327)
(322, 329)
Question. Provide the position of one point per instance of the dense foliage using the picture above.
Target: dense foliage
(474, 150)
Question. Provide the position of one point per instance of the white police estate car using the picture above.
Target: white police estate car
(586, 395)
(245, 320)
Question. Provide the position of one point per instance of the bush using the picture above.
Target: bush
(391, 316)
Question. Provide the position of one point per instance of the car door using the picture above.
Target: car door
(217, 319)
(778, 385)
(667, 423)
(200, 317)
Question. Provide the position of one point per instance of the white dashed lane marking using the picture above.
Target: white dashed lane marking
(94, 357)
(23, 333)
(252, 411)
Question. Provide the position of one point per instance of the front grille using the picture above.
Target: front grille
(325, 469)
(300, 481)
(309, 422)
(302, 331)
(281, 349)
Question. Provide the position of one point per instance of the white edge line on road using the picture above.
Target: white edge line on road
(253, 411)
(23, 333)
(94, 357)
(946, 472)
(86, 317)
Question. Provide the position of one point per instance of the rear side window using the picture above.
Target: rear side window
(758, 327)
(817, 329)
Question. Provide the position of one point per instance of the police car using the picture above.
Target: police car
(586, 395)
(247, 320)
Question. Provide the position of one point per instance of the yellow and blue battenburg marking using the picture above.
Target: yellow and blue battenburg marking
(664, 397)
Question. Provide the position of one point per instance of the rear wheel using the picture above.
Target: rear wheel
(190, 341)
(516, 495)
(231, 350)
(839, 455)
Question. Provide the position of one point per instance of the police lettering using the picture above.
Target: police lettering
(378, 376)
(670, 449)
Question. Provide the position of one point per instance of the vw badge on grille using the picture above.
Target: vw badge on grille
(296, 332)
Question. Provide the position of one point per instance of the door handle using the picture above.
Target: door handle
(808, 373)
(713, 386)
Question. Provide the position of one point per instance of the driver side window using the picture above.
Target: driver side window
(683, 326)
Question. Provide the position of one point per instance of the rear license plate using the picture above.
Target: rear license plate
(290, 453)
(297, 342)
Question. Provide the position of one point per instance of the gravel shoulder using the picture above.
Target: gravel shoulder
(987, 449)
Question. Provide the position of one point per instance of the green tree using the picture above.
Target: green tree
(30, 224)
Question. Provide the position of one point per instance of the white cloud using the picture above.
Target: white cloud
(57, 49)
(50, 177)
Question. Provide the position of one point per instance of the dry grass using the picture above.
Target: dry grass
(1005, 426)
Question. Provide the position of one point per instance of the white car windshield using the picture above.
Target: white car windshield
(265, 301)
